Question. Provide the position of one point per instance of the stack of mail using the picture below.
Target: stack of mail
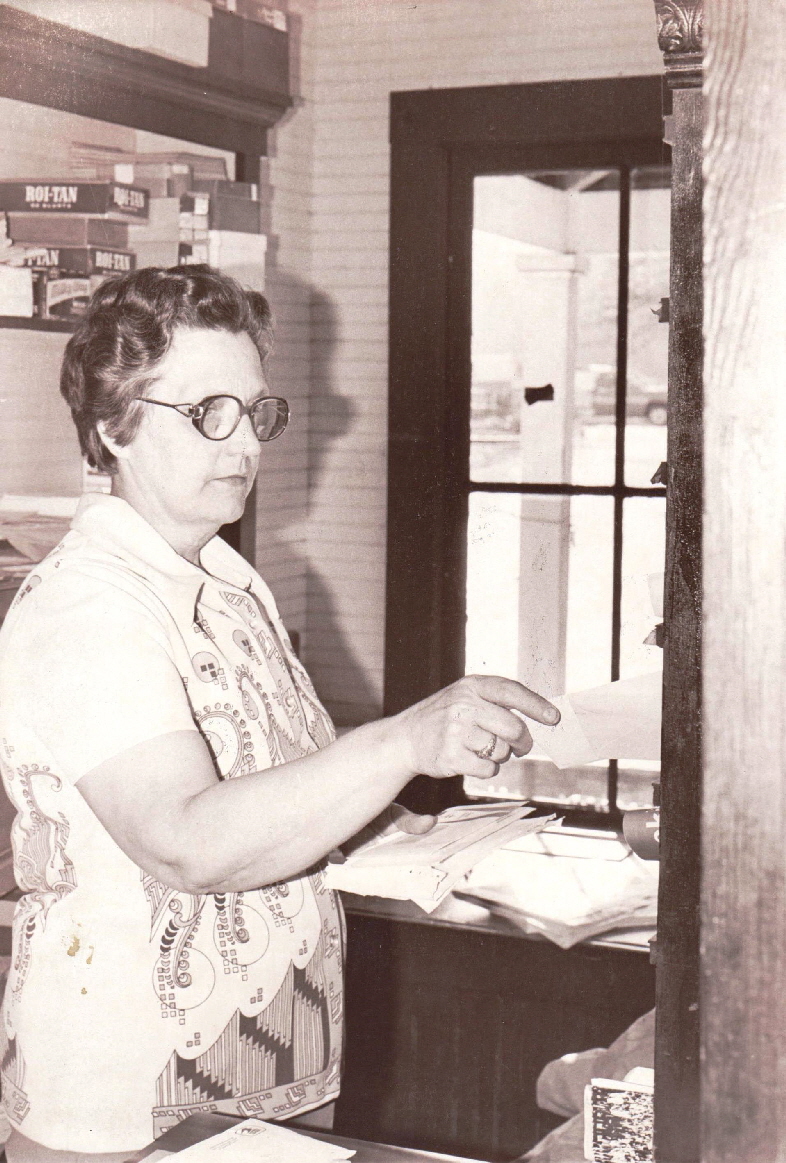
(254, 1141)
(424, 869)
(567, 884)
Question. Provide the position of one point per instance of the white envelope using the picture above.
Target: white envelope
(620, 720)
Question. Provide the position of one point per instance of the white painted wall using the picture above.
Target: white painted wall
(328, 276)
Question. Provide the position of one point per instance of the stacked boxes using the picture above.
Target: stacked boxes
(155, 242)
(215, 207)
(60, 239)
(197, 215)
(68, 236)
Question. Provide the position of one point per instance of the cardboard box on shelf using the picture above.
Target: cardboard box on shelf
(108, 199)
(16, 291)
(230, 205)
(255, 10)
(160, 253)
(81, 260)
(162, 223)
(239, 215)
(155, 243)
(194, 203)
(189, 253)
(222, 189)
(160, 179)
(68, 230)
(240, 255)
(67, 298)
(169, 163)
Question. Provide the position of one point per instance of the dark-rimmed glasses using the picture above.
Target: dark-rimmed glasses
(217, 417)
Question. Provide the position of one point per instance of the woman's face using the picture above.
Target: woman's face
(176, 477)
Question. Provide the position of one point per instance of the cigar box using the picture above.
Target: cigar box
(81, 260)
(66, 298)
(68, 230)
(109, 199)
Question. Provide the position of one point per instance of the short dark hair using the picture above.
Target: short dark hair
(112, 357)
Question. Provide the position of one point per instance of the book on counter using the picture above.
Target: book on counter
(108, 199)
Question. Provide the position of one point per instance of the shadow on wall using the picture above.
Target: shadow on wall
(340, 677)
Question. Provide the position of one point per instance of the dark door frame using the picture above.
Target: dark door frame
(439, 140)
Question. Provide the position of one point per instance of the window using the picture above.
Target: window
(565, 532)
(529, 249)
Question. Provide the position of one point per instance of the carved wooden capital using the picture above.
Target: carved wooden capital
(681, 40)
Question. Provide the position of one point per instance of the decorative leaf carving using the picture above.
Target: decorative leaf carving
(680, 26)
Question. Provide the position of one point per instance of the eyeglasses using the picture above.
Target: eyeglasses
(217, 417)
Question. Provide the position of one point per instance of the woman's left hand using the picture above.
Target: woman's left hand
(394, 816)
(406, 821)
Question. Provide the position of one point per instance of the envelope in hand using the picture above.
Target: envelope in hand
(620, 720)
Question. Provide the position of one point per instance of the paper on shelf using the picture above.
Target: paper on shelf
(423, 869)
(566, 894)
(621, 720)
(255, 1141)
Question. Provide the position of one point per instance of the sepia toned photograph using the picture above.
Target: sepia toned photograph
(392, 581)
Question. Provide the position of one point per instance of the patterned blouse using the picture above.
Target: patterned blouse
(131, 1005)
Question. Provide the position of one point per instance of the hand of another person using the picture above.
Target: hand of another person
(470, 727)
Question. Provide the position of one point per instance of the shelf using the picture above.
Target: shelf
(229, 105)
(21, 323)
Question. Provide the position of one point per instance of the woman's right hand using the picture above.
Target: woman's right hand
(470, 727)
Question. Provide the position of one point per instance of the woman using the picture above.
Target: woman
(177, 948)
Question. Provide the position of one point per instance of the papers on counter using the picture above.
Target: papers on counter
(424, 869)
(254, 1141)
(621, 720)
(566, 884)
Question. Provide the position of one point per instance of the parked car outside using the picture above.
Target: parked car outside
(648, 401)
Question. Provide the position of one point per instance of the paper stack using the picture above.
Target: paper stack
(567, 884)
(254, 1141)
(389, 863)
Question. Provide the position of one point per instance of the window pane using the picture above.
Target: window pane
(539, 584)
(544, 315)
(643, 560)
(648, 340)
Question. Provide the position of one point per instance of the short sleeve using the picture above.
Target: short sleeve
(90, 670)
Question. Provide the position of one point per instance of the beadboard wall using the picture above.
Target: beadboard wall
(324, 550)
(283, 481)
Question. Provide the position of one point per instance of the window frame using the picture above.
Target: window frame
(440, 140)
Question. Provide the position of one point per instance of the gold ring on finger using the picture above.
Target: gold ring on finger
(487, 751)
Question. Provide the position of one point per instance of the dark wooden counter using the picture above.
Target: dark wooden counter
(450, 1019)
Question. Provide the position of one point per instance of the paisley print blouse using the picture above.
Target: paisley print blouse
(131, 1005)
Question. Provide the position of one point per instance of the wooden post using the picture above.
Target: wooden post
(744, 813)
(677, 1025)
